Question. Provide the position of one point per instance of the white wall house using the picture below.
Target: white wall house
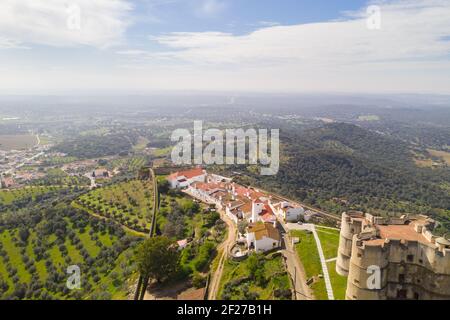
(183, 179)
(257, 209)
(263, 237)
(287, 212)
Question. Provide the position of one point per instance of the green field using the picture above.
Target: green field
(17, 142)
(59, 177)
(329, 238)
(34, 258)
(129, 203)
(338, 282)
(309, 256)
(54, 161)
(132, 164)
(256, 278)
(307, 252)
(141, 144)
(29, 194)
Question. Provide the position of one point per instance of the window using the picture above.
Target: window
(416, 296)
(401, 294)
(420, 261)
(359, 254)
(401, 278)
(410, 258)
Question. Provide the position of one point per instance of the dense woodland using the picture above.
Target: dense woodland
(342, 166)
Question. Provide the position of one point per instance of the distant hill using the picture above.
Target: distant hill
(343, 163)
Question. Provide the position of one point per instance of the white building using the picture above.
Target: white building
(287, 212)
(263, 237)
(184, 179)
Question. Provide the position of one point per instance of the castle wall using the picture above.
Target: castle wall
(409, 270)
(349, 227)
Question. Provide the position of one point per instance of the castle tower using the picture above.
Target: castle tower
(394, 258)
(351, 224)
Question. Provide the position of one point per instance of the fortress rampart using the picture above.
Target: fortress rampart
(410, 261)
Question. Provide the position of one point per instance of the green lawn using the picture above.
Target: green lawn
(338, 282)
(309, 256)
(329, 239)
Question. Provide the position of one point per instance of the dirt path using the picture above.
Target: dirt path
(223, 248)
(166, 293)
(295, 269)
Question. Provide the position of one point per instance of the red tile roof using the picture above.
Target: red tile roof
(188, 174)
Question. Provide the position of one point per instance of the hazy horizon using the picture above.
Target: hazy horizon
(143, 46)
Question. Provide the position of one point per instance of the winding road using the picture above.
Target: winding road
(224, 247)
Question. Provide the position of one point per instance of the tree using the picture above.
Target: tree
(242, 227)
(157, 258)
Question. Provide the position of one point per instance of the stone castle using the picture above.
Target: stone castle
(410, 262)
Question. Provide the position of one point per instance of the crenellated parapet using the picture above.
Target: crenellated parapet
(394, 259)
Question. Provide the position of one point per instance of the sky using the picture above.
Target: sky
(287, 46)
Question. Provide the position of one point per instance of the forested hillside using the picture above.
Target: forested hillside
(342, 166)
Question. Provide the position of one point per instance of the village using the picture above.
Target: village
(260, 212)
(258, 222)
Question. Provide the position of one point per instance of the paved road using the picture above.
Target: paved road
(20, 165)
(223, 248)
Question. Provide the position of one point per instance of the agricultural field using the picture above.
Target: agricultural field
(309, 256)
(17, 142)
(445, 156)
(127, 165)
(30, 194)
(36, 251)
(369, 118)
(129, 203)
(162, 152)
(57, 160)
(60, 178)
(141, 144)
(432, 158)
(258, 277)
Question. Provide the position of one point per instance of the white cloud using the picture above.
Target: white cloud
(11, 44)
(267, 24)
(410, 30)
(411, 53)
(50, 22)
